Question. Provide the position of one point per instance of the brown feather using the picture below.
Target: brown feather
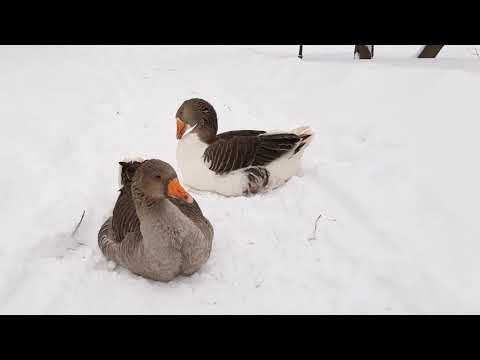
(125, 217)
(235, 150)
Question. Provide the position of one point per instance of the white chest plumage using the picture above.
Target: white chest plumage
(196, 174)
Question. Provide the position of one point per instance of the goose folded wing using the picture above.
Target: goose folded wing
(125, 218)
(237, 133)
(240, 149)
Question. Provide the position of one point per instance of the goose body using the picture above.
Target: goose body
(152, 233)
(234, 163)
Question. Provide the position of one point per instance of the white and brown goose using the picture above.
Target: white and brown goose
(157, 230)
(234, 163)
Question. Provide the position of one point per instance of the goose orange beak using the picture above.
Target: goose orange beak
(175, 190)
(180, 128)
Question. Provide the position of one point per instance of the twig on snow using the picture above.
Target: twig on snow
(314, 235)
(78, 225)
(259, 283)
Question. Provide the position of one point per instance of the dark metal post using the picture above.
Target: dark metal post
(430, 51)
(364, 51)
(300, 52)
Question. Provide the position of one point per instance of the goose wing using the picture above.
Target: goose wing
(235, 150)
(125, 219)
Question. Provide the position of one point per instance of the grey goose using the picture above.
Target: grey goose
(157, 229)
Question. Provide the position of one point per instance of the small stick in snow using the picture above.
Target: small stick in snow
(314, 236)
(78, 225)
(259, 283)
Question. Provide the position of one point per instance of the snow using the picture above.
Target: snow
(392, 171)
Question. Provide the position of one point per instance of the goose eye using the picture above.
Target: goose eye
(158, 177)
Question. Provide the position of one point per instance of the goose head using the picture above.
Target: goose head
(157, 180)
(197, 116)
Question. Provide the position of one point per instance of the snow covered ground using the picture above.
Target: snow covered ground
(393, 172)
